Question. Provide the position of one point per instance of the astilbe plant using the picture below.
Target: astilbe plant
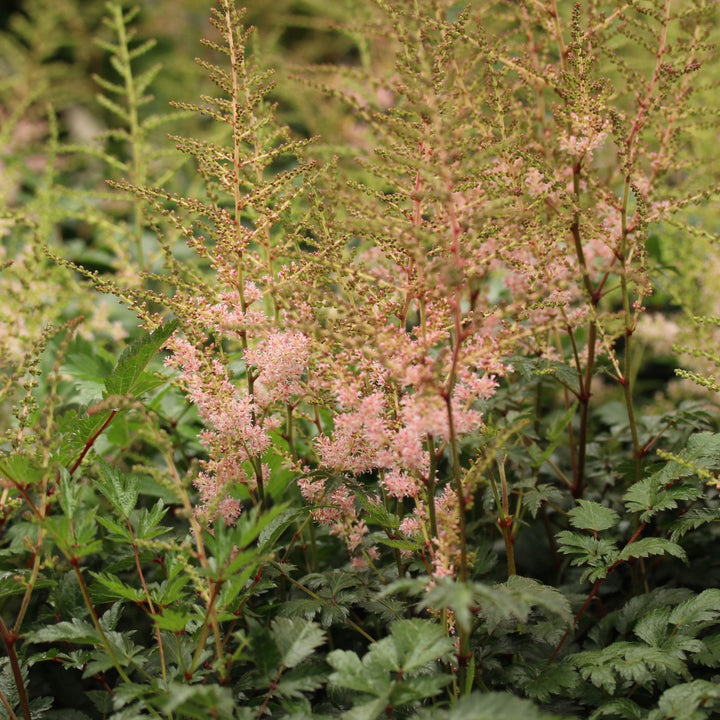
(512, 200)
(506, 221)
(393, 372)
(233, 324)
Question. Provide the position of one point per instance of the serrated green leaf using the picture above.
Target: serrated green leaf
(537, 595)
(497, 706)
(127, 377)
(653, 628)
(77, 430)
(632, 662)
(588, 515)
(69, 494)
(21, 468)
(403, 544)
(368, 711)
(621, 707)
(121, 490)
(458, 597)
(652, 546)
(415, 643)
(13, 582)
(169, 591)
(534, 497)
(413, 689)
(274, 529)
(304, 679)
(147, 522)
(691, 520)
(112, 588)
(599, 554)
(651, 495)
(88, 366)
(354, 674)
(65, 714)
(196, 701)
(555, 435)
(680, 701)
(173, 620)
(119, 530)
(542, 681)
(75, 631)
(703, 608)
(296, 639)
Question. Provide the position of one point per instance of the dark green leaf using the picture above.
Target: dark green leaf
(128, 376)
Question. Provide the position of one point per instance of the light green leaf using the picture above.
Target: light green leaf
(172, 620)
(418, 643)
(296, 639)
(701, 609)
(652, 546)
(121, 490)
(497, 706)
(368, 711)
(652, 495)
(352, 673)
(75, 631)
(111, 588)
(588, 515)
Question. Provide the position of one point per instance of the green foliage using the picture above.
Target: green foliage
(396, 671)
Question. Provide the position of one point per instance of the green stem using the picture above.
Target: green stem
(135, 130)
(95, 620)
(210, 622)
(459, 490)
(504, 519)
(584, 378)
(627, 380)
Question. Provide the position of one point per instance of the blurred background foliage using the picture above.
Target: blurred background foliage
(320, 49)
